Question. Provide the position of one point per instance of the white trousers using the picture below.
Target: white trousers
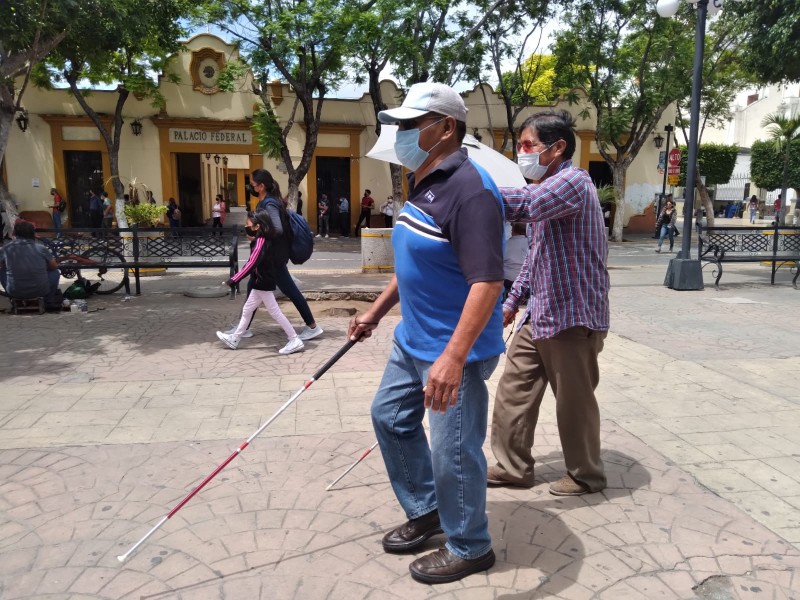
(254, 300)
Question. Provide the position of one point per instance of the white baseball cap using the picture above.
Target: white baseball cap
(423, 98)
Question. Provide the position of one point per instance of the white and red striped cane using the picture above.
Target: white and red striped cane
(351, 467)
(287, 404)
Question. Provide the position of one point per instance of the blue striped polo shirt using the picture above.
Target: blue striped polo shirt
(448, 236)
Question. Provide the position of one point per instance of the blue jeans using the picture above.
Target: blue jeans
(665, 231)
(287, 285)
(53, 279)
(450, 474)
(56, 220)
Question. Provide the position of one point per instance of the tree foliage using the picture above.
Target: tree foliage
(723, 74)
(630, 64)
(511, 34)
(766, 165)
(124, 42)
(535, 82)
(783, 132)
(714, 161)
(441, 40)
(772, 52)
(302, 43)
(29, 30)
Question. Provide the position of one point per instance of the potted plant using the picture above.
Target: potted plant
(607, 196)
(145, 215)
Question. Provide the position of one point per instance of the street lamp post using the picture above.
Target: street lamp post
(684, 273)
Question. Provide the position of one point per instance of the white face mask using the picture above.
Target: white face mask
(530, 167)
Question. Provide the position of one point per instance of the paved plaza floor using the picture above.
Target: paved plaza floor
(109, 418)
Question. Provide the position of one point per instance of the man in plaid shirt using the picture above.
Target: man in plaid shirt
(562, 331)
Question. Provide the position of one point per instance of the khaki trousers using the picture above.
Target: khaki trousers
(568, 362)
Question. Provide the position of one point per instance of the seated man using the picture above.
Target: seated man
(27, 268)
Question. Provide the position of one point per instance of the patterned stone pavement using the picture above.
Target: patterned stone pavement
(108, 419)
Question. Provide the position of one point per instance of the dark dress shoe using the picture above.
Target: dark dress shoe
(412, 534)
(443, 566)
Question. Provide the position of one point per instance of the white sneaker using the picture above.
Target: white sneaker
(309, 334)
(327, 236)
(231, 341)
(232, 330)
(294, 345)
(318, 235)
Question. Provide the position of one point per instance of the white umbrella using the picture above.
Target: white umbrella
(505, 172)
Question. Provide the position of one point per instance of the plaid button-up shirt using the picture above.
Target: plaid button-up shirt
(565, 271)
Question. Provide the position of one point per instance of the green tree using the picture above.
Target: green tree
(534, 83)
(630, 65)
(306, 43)
(783, 131)
(421, 40)
(772, 52)
(767, 166)
(127, 43)
(374, 45)
(715, 161)
(29, 30)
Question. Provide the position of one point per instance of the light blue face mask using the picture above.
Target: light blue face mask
(406, 147)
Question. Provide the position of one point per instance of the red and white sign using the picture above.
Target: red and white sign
(674, 157)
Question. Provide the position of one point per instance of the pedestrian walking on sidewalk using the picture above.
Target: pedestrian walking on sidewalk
(271, 200)
(268, 250)
(387, 210)
(216, 213)
(367, 204)
(753, 206)
(449, 274)
(566, 321)
(666, 225)
(344, 216)
(324, 209)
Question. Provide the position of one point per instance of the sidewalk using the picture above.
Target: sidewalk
(108, 419)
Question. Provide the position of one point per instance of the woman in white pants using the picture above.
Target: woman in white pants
(267, 251)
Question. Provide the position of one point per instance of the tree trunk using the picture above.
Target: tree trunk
(705, 198)
(397, 187)
(111, 139)
(6, 121)
(618, 171)
(291, 195)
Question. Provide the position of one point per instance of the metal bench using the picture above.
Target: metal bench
(135, 249)
(776, 245)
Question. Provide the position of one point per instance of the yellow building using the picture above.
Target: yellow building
(201, 144)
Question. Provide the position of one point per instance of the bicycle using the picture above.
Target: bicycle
(76, 253)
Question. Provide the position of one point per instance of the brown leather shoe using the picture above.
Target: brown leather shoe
(442, 566)
(495, 479)
(567, 486)
(412, 534)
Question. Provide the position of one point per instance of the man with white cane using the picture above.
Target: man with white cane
(448, 246)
